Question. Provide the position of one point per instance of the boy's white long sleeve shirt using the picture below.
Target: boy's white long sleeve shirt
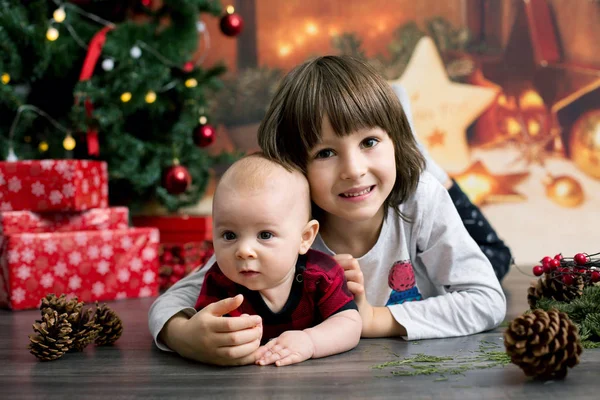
(429, 272)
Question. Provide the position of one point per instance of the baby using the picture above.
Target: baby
(263, 232)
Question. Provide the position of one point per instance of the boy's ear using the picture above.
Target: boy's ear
(309, 233)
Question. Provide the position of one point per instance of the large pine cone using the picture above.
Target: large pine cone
(83, 323)
(543, 344)
(552, 287)
(52, 339)
(110, 324)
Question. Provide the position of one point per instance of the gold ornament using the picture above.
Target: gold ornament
(59, 15)
(585, 143)
(69, 142)
(150, 97)
(5, 78)
(564, 191)
(191, 83)
(43, 147)
(125, 97)
(52, 34)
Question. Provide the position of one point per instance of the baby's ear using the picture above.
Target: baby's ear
(309, 233)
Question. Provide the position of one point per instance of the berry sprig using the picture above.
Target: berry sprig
(567, 269)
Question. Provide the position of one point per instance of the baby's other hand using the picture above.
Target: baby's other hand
(353, 274)
(290, 347)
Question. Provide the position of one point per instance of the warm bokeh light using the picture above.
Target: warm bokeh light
(52, 34)
(150, 97)
(230, 9)
(285, 50)
(202, 120)
(533, 127)
(125, 97)
(69, 143)
(299, 40)
(476, 186)
(311, 29)
(512, 126)
(43, 147)
(333, 31)
(59, 15)
(530, 99)
(191, 83)
(5, 78)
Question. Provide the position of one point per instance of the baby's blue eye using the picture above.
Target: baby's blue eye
(265, 235)
(325, 153)
(228, 235)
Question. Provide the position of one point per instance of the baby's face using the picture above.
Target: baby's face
(257, 235)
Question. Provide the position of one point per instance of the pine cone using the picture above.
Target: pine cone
(60, 304)
(552, 287)
(85, 329)
(53, 339)
(110, 324)
(543, 344)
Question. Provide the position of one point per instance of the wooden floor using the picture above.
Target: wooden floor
(134, 368)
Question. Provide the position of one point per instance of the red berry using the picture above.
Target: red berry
(582, 270)
(554, 264)
(595, 277)
(546, 268)
(538, 270)
(581, 259)
(558, 257)
(567, 279)
(546, 260)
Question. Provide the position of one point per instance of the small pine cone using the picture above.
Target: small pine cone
(110, 324)
(52, 339)
(61, 305)
(543, 344)
(552, 287)
(85, 330)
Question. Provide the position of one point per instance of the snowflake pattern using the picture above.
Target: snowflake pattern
(27, 255)
(96, 179)
(60, 269)
(123, 275)
(94, 198)
(23, 272)
(61, 166)
(38, 189)
(18, 295)
(154, 236)
(148, 254)
(121, 296)
(145, 292)
(2, 180)
(81, 238)
(98, 289)
(107, 235)
(136, 265)
(6, 206)
(68, 190)
(47, 164)
(75, 258)
(55, 197)
(126, 242)
(103, 267)
(149, 277)
(93, 252)
(27, 238)
(85, 186)
(50, 246)
(47, 280)
(107, 251)
(14, 184)
(13, 256)
(74, 282)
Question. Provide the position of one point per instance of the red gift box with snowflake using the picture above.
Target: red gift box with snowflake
(53, 185)
(92, 265)
(12, 222)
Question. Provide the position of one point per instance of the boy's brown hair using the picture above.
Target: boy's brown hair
(353, 96)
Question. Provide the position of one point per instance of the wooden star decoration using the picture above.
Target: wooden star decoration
(438, 102)
(437, 138)
(483, 187)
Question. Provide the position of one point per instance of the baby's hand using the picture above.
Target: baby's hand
(290, 347)
(354, 275)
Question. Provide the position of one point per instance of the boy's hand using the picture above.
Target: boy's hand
(290, 347)
(211, 338)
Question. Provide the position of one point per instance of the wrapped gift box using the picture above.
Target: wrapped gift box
(179, 229)
(53, 185)
(92, 265)
(12, 222)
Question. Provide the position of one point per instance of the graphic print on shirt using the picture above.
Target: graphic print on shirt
(401, 280)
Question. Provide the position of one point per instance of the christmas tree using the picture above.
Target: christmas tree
(114, 81)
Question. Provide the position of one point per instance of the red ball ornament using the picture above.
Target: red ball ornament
(595, 276)
(188, 66)
(580, 258)
(553, 264)
(558, 257)
(177, 179)
(567, 279)
(204, 135)
(546, 260)
(146, 3)
(538, 270)
(231, 24)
